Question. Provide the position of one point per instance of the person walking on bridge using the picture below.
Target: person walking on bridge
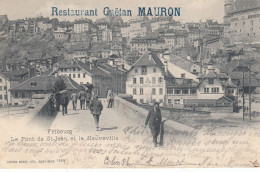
(74, 98)
(96, 108)
(82, 98)
(154, 118)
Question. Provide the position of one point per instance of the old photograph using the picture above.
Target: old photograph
(129, 84)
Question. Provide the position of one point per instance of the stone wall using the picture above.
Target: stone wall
(41, 105)
(138, 114)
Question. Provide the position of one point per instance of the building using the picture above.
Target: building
(214, 85)
(9, 80)
(22, 93)
(99, 75)
(147, 79)
(241, 20)
(60, 34)
(81, 26)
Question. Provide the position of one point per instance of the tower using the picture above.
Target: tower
(227, 16)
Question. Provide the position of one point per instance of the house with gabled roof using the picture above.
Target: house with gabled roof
(147, 79)
(22, 93)
(214, 85)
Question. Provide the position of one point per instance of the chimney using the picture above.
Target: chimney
(165, 66)
(150, 56)
(84, 60)
(56, 75)
(122, 66)
(111, 62)
(90, 66)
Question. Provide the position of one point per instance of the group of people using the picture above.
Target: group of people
(87, 101)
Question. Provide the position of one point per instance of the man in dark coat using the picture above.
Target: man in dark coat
(64, 101)
(57, 101)
(154, 118)
(82, 98)
(95, 108)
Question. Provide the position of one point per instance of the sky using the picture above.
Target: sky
(191, 10)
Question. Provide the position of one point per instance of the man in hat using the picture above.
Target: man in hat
(64, 103)
(82, 98)
(74, 98)
(154, 118)
(95, 108)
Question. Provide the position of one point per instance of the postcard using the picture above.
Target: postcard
(129, 84)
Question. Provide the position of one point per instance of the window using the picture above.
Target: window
(153, 80)
(1, 97)
(33, 84)
(16, 95)
(65, 70)
(160, 80)
(177, 101)
(84, 75)
(74, 69)
(206, 90)
(153, 91)
(1, 88)
(70, 75)
(74, 75)
(177, 91)
(79, 75)
(141, 91)
(141, 80)
(185, 91)
(211, 81)
(183, 75)
(0, 80)
(252, 22)
(161, 91)
(169, 101)
(154, 70)
(144, 70)
(141, 100)
(170, 91)
(193, 91)
(134, 91)
(5, 97)
(136, 70)
(134, 80)
(78, 69)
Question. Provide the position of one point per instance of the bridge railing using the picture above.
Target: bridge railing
(138, 114)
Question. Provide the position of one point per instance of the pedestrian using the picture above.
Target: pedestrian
(154, 118)
(74, 99)
(57, 101)
(110, 99)
(82, 98)
(88, 97)
(52, 109)
(96, 108)
(64, 103)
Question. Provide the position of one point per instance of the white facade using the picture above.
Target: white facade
(77, 74)
(146, 88)
(4, 91)
(81, 27)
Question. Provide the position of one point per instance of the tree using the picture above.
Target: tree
(59, 85)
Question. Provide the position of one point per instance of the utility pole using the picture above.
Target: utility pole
(243, 93)
(6, 90)
(249, 91)
(116, 79)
